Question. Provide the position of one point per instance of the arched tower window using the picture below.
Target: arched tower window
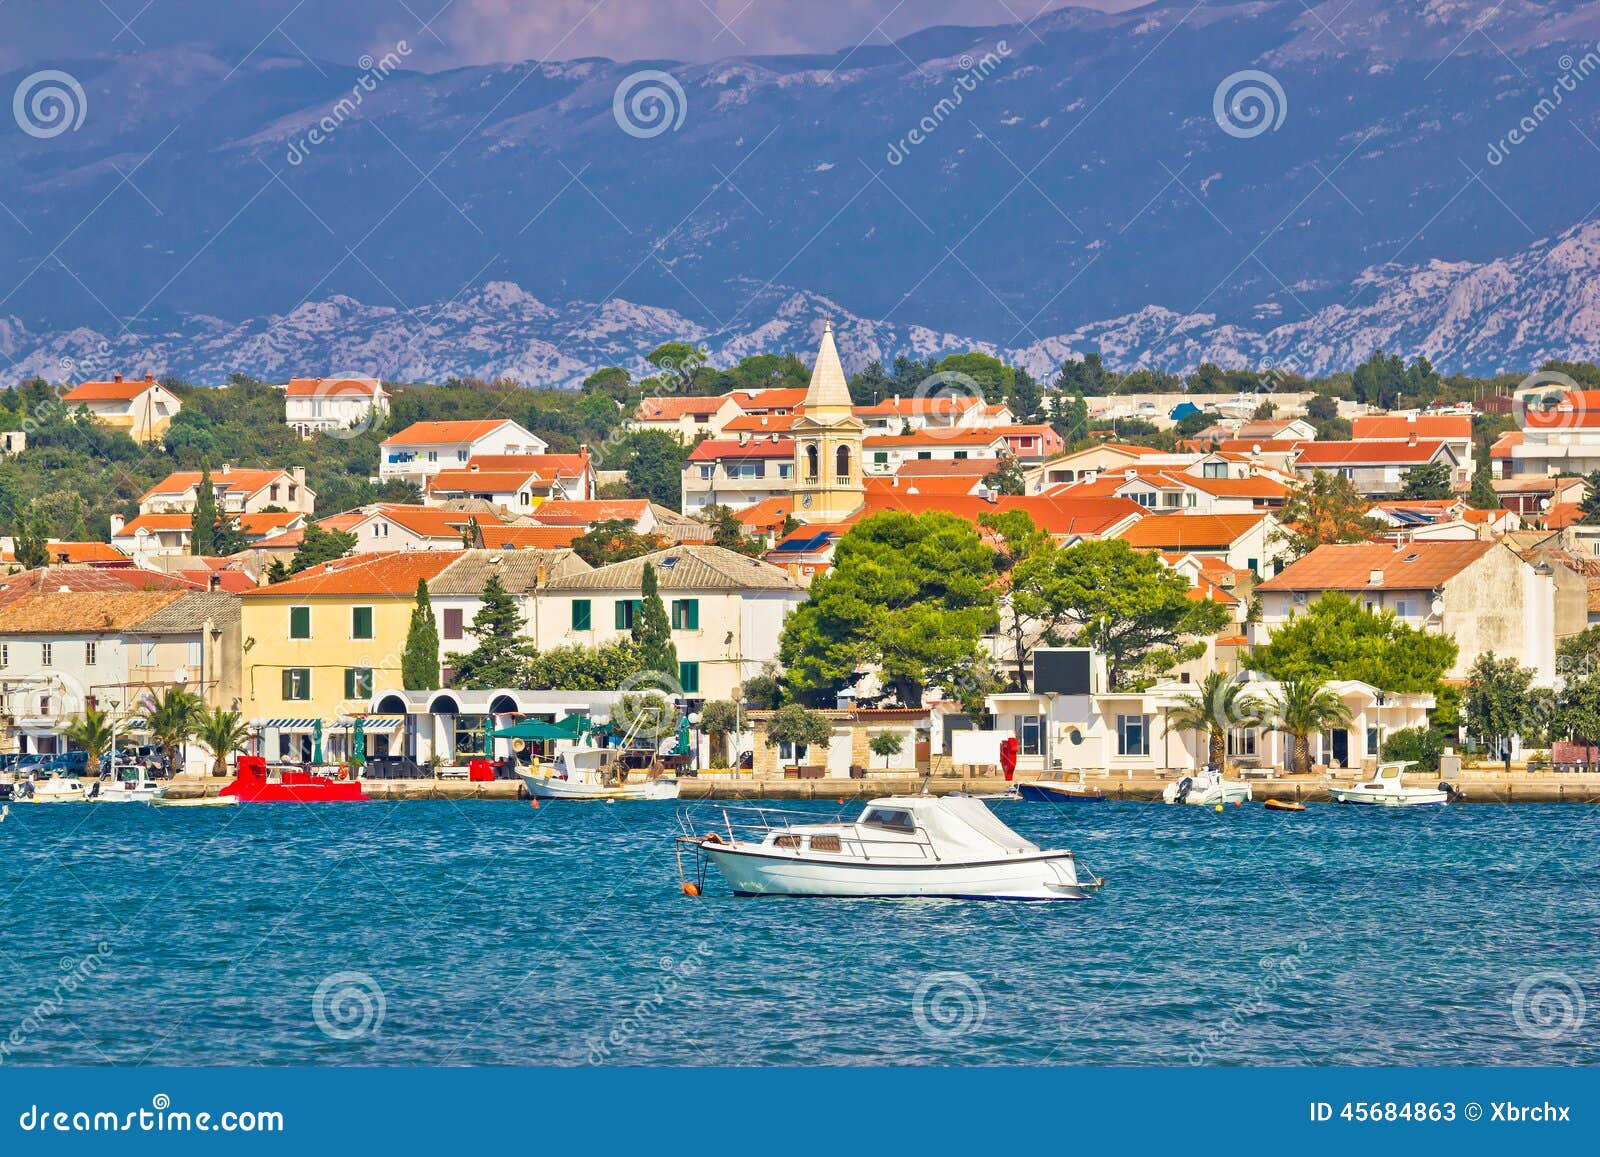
(812, 467)
(841, 460)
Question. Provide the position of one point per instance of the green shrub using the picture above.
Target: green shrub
(1418, 744)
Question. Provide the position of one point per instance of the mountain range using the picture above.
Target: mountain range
(1423, 182)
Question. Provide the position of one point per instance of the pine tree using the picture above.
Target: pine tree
(1482, 495)
(32, 533)
(203, 521)
(1589, 508)
(419, 662)
(502, 654)
(652, 633)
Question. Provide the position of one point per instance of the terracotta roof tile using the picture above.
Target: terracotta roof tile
(82, 612)
(389, 575)
(430, 433)
(1190, 531)
(1392, 426)
(116, 390)
(333, 387)
(1407, 566)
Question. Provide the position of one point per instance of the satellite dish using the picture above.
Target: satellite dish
(1438, 606)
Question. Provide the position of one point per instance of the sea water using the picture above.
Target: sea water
(494, 933)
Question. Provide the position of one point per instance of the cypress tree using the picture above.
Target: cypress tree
(419, 662)
(1482, 495)
(652, 632)
(203, 521)
(501, 656)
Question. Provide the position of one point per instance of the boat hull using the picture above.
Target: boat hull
(1412, 797)
(1059, 793)
(202, 801)
(1046, 876)
(550, 787)
(1209, 795)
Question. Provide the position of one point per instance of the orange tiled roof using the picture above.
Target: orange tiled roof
(1502, 444)
(390, 575)
(1190, 531)
(1560, 516)
(564, 512)
(768, 514)
(760, 424)
(784, 398)
(946, 467)
(246, 480)
(116, 390)
(1350, 566)
(333, 387)
(1391, 427)
(430, 433)
(529, 537)
(717, 449)
(88, 612)
(1368, 453)
(938, 436)
(938, 404)
(491, 481)
(670, 409)
(952, 485)
(431, 521)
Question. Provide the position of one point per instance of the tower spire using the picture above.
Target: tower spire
(829, 392)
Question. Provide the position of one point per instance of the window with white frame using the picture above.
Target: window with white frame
(90, 652)
(47, 654)
(1242, 742)
(1133, 735)
(1029, 729)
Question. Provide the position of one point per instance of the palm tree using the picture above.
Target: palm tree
(91, 731)
(222, 733)
(171, 718)
(1303, 708)
(1220, 704)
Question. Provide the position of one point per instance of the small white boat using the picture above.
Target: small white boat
(198, 801)
(1387, 788)
(53, 788)
(899, 846)
(127, 783)
(1208, 789)
(593, 773)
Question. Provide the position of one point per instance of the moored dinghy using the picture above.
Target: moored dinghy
(899, 846)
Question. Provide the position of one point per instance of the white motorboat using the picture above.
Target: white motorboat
(1056, 787)
(899, 846)
(53, 788)
(594, 773)
(127, 783)
(1387, 788)
(1207, 788)
(198, 801)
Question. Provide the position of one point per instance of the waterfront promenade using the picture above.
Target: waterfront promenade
(1477, 785)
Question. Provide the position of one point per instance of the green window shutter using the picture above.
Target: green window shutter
(689, 677)
(358, 683)
(361, 622)
(581, 614)
(299, 622)
(622, 615)
(288, 683)
(686, 614)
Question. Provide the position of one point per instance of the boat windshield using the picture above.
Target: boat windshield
(890, 819)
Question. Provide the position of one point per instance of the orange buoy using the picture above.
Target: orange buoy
(1238, 803)
(690, 888)
(534, 804)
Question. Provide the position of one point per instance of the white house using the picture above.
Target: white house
(1126, 732)
(312, 405)
(237, 490)
(1481, 594)
(143, 408)
(519, 483)
(726, 612)
(423, 449)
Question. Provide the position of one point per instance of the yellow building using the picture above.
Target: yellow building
(827, 443)
(318, 646)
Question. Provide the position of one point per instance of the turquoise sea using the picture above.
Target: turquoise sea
(493, 933)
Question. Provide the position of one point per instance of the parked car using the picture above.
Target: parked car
(67, 763)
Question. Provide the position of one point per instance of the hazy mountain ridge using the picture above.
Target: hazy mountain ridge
(496, 219)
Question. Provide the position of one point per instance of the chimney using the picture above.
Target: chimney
(539, 575)
(117, 523)
(116, 377)
(214, 582)
(1412, 440)
(298, 473)
(225, 469)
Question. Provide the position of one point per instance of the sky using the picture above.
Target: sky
(446, 33)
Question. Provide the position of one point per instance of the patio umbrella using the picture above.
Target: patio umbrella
(488, 737)
(530, 729)
(683, 736)
(358, 742)
(316, 742)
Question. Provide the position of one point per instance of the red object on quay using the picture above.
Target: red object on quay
(252, 785)
(1008, 756)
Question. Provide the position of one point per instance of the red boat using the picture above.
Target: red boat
(255, 784)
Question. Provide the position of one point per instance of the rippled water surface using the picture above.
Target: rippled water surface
(492, 933)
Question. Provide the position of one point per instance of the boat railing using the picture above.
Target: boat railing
(753, 824)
